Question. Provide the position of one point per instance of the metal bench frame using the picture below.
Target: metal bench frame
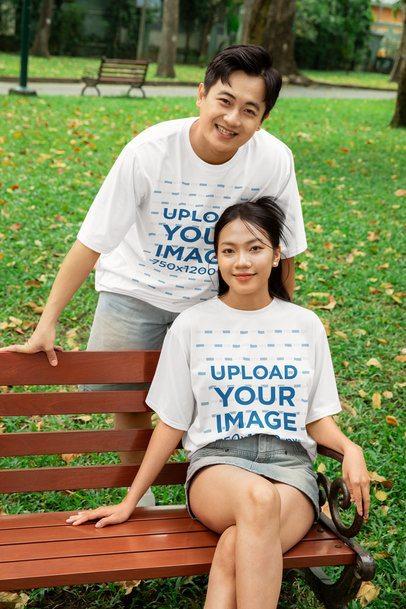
(119, 71)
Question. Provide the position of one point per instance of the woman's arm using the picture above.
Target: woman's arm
(355, 473)
(163, 442)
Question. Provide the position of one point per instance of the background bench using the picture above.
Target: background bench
(119, 72)
(41, 550)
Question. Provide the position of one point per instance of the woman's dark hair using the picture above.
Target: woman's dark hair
(251, 59)
(267, 216)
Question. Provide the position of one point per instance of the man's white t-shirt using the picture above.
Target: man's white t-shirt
(227, 373)
(153, 218)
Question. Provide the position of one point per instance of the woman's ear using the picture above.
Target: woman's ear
(276, 256)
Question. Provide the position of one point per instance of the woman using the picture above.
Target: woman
(247, 379)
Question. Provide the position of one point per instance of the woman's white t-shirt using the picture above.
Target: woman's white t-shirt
(227, 373)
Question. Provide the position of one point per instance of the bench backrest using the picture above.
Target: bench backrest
(134, 70)
(76, 368)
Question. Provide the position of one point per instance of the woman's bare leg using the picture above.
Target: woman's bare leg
(269, 517)
(221, 587)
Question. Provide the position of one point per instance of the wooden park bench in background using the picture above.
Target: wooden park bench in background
(119, 72)
(41, 550)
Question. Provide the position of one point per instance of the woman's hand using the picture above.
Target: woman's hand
(356, 477)
(105, 515)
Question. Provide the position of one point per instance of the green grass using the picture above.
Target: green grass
(355, 79)
(76, 67)
(54, 155)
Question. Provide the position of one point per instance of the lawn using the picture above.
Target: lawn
(76, 67)
(54, 155)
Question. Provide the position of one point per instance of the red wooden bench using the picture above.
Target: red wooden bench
(119, 72)
(41, 550)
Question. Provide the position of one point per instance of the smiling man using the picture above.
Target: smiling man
(150, 227)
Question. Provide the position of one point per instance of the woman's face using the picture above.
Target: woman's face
(245, 258)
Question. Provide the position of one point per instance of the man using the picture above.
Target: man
(150, 227)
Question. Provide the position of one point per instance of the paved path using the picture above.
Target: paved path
(314, 91)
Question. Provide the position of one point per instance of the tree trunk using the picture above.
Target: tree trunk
(400, 56)
(271, 26)
(169, 39)
(247, 15)
(399, 118)
(40, 46)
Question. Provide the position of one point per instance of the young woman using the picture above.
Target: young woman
(247, 379)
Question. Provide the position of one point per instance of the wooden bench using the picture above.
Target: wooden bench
(41, 550)
(119, 72)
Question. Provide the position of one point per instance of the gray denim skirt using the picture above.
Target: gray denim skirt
(263, 454)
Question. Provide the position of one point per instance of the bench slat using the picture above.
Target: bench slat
(51, 519)
(29, 404)
(75, 478)
(59, 442)
(152, 564)
(78, 367)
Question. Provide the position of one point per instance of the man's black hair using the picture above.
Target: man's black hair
(251, 59)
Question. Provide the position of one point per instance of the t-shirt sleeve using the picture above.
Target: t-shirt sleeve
(289, 199)
(171, 395)
(323, 395)
(113, 210)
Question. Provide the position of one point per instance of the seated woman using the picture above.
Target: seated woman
(246, 379)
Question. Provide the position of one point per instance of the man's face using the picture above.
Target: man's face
(231, 113)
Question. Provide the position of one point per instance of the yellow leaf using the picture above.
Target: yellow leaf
(341, 334)
(381, 495)
(374, 362)
(401, 192)
(326, 324)
(360, 332)
(388, 395)
(372, 236)
(385, 509)
(13, 600)
(392, 420)
(375, 477)
(326, 510)
(83, 417)
(321, 468)
(129, 585)
(367, 593)
(400, 358)
(376, 400)
(68, 458)
(362, 393)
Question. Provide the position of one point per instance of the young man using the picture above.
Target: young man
(150, 227)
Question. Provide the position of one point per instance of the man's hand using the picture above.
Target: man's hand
(109, 514)
(356, 477)
(42, 339)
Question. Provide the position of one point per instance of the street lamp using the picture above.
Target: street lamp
(22, 89)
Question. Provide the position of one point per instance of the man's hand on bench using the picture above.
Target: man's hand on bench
(42, 339)
(105, 515)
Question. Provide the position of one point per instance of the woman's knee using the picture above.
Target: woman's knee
(260, 501)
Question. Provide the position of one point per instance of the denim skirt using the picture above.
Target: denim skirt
(263, 454)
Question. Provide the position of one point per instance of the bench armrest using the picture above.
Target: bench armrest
(338, 497)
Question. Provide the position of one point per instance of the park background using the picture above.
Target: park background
(56, 150)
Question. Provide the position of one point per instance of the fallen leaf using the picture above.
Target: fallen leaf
(367, 593)
(388, 395)
(372, 236)
(374, 362)
(341, 334)
(400, 358)
(360, 332)
(381, 555)
(326, 510)
(375, 477)
(381, 495)
(376, 400)
(321, 468)
(348, 407)
(83, 417)
(36, 308)
(385, 509)
(362, 393)
(401, 192)
(34, 283)
(13, 600)
(392, 420)
(129, 585)
(68, 458)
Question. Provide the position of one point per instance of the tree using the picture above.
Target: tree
(399, 118)
(401, 54)
(246, 16)
(40, 45)
(272, 26)
(169, 39)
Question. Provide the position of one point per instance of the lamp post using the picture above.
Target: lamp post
(22, 89)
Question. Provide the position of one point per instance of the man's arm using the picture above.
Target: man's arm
(74, 269)
(288, 275)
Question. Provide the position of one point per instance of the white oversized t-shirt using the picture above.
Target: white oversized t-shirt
(153, 218)
(226, 373)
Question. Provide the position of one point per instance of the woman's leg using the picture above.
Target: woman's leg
(221, 587)
(270, 518)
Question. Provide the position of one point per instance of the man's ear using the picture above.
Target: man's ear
(264, 119)
(200, 94)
